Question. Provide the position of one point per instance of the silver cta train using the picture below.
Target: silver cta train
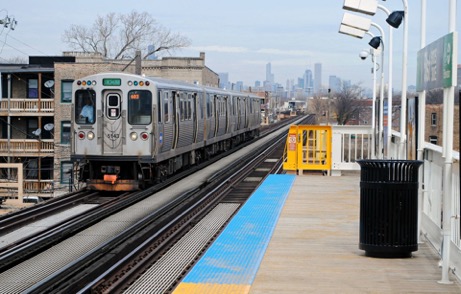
(131, 131)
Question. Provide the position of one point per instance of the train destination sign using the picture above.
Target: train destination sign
(111, 82)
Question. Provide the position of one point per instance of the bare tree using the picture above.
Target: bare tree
(347, 103)
(117, 36)
(15, 60)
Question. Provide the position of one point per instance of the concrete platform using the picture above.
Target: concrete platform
(313, 248)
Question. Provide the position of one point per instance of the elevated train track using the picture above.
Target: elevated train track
(96, 260)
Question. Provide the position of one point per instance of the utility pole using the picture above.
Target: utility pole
(9, 22)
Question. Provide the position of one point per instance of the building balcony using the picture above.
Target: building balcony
(26, 147)
(27, 107)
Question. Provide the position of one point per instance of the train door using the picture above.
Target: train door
(195, 110)
(226, 114)
(210, 117)
(186, 134)
(176, 118)
(166, 120)
(240, 112)
(216, 114)
(113, 127)
(247, 112)
(200, 116)
(232, 114)
(250, 112)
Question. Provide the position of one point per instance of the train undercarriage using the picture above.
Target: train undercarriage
(132, 174)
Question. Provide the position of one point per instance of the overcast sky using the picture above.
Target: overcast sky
(238, 37)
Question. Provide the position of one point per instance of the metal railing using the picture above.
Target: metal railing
(350, 143)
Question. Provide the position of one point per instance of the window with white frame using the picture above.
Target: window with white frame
(66, 91)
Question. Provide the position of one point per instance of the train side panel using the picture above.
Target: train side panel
(131, 131)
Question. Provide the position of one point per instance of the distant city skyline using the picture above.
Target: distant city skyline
(304, 84)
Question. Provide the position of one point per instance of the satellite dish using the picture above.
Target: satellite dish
(37, 132)
(49, 83)
(48, 127)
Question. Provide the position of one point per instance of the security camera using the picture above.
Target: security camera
(363, 54)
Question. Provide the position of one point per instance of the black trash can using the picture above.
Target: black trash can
(389, 207)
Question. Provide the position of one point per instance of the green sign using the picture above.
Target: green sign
(111, 82)
(436, 64)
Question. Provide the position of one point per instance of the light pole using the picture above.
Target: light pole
(363, 55)
(370, 7)
(389, 84)
(357, 26)
(375, 42)
(448, 117)
(394, 20)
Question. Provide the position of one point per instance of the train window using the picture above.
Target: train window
(139, 107)
(183, 110)
(166, 107)
(209, 106)
(200, 103)
(113, 100)
(225, 106)
(85, 106)
(190, 105)
(113, 106)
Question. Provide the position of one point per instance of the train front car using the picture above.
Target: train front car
(112, 131)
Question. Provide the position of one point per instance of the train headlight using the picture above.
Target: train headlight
(81, 135)
(90, 135)
(144, 136)
(134, 136)
(130, 83)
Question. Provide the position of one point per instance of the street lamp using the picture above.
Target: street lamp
(370, 7)
(349, 25)
(375, 42)
(395, 18)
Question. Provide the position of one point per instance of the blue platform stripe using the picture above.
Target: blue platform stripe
(235, 256)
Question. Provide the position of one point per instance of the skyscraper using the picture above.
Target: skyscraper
(223, 80)
(269, 75)
(317, 78)
(308, 83)
(334, 84)
(151, 48)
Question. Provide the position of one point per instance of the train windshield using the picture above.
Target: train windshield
(85, 106)
(139, 107)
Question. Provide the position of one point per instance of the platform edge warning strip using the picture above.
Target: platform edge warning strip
(231, 263)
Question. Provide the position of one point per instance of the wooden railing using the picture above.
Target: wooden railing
(26, 105)
(32, 147)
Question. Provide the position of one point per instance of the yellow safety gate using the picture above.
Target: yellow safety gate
(308, 148)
